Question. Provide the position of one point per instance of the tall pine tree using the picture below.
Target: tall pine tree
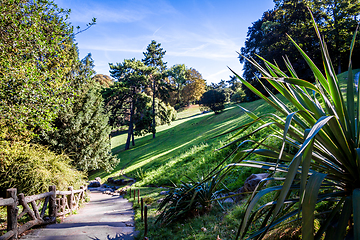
(126, 93)
(81, 130)
(154, 58)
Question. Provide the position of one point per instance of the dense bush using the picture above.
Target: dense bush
(33, 168)
(82, 132)
(214, 100)
(37, 54)
(238, 96)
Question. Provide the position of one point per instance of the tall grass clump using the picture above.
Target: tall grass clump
(321, 127)
(33, 168)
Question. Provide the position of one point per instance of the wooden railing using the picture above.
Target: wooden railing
(57, 206)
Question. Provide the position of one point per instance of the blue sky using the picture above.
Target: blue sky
(204, 35)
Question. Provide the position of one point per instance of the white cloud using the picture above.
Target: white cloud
(217, 74)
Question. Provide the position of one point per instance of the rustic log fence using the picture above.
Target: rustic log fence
(66, 203)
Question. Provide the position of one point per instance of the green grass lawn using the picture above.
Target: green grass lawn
(178, 149)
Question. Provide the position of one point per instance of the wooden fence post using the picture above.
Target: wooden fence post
(145, 221)
(82, 196)
(63, 205)
(52, 203)
(134, 195)
(130, 192)
(12, 212)
(71, 199)
(138, 196)
(142, 209)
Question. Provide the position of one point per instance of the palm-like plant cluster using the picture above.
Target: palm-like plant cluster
(190, 199)
(323, 126)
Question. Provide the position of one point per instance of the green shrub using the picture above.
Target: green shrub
(33, 168)
(213, 100)
(81, 131)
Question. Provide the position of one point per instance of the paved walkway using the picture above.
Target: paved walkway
(104, 217)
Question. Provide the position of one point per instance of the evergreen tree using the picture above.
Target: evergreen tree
(126, 94)
(81, 130)
(153, 58)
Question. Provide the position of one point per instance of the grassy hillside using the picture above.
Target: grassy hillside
(187, 146)
(184, 147)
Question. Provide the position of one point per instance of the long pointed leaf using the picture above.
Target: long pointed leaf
(356, 212)
(344, 219)
(308, 206)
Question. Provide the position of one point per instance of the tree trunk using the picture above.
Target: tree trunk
(133, 138)
(153, 110)
(131, 125)
(339, 67)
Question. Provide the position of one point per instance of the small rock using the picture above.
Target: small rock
(98, 179)
(118, 182)
(164, 192)
(203, 229)
(252, 181)
(94, 183)
(160, 200)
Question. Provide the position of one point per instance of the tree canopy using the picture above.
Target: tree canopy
(37, 53)
(214, 100)
(154, 58)
(268, 36)
(132, 77)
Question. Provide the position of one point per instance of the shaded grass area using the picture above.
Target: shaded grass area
(220, 221)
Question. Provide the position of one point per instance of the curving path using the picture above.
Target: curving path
(104, 217)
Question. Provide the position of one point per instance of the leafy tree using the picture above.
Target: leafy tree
(103, 80)
(177, 78)
(132, 77)
(267, 37)
(238, 96)
(153, 58)
(37, 53)
(340, 18)
(234, 83)
(194, 88)
(214, 100)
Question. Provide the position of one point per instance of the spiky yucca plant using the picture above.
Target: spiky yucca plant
(190, 199)
(323, 127)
